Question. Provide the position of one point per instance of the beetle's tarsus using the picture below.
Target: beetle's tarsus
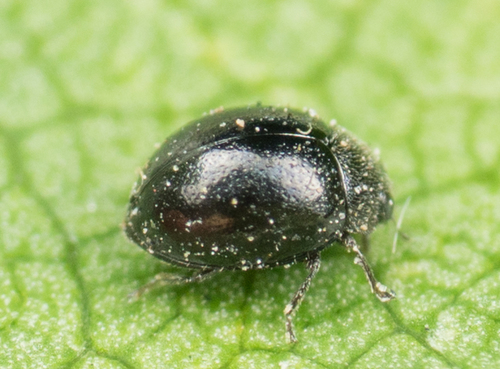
(384, 293)
(290, 334)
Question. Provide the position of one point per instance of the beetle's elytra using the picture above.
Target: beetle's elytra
(254, 188)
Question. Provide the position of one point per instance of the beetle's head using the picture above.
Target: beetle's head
(386, 206)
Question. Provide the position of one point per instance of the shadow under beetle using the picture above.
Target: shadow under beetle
(257, 187)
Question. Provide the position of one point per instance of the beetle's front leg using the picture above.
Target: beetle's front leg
(383, 293)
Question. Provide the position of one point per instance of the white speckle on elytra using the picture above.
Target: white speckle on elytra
(312, 113)
(220, 109)
(240, 123)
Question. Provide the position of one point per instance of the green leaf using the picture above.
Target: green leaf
(88, 87)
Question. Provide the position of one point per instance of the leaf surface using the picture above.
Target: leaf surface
(88, 87)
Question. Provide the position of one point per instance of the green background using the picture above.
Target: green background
(88, 87)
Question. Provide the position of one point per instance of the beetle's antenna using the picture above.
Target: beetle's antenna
(399, 223)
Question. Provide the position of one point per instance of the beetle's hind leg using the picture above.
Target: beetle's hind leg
(383, 293)
(313, 263)
(164, 279)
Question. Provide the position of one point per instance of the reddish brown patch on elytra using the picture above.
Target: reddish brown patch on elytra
(177, 222)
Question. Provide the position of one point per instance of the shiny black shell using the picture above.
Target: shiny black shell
(255, 187)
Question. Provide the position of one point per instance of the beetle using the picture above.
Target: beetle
(258, 187)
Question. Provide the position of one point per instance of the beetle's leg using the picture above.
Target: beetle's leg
(383, 293)
(313, 263)
(164, 279)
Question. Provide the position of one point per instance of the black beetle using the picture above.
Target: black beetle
(254, 188)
